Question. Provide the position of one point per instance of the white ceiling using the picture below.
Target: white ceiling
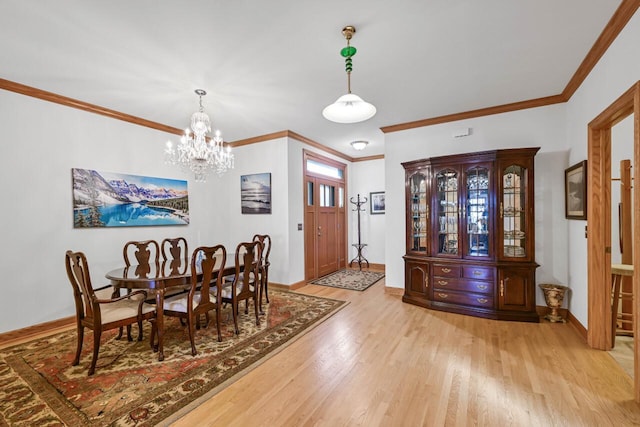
(274, 65)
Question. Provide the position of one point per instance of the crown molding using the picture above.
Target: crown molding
(618, 21)
(85, 106)
(117, 115)
(293, 135)
(522, 105)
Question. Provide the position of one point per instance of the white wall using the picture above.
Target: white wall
(367, 177)
(616, 72)
(539, 127)
(266, 157)
(560, 131)
(44, 141)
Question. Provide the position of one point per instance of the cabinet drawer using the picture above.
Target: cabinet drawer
(475, 300)
(446, 270)
(482, 273)
(446, 284)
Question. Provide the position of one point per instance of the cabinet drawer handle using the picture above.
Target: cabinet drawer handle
(443, 296)
(482, 287)
(483, 300)
(477, 273)
(446, 270)
(443, 282)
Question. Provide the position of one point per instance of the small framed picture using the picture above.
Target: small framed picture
(575, 190)
(377, 202)
(255, 193)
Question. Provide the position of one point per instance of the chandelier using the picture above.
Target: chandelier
(198, 153)
(349, 108)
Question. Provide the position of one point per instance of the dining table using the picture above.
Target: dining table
(161, 277)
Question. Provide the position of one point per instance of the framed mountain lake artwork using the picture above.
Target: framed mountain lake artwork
(106, 199)
(575, 189)
(255, 193)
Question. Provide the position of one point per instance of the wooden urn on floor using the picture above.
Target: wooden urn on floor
(553, 296)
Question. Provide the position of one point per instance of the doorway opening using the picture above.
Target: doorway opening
(325, 216)
(600, 334)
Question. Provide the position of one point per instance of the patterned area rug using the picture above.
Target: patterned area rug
(350, 279)
(38, 385)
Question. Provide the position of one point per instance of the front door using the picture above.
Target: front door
(327, 228)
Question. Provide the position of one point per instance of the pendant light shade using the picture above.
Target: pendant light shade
(349, 108)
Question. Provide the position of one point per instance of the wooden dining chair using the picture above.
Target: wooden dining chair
(143, 252)
(246, 280)
(174, 248)
(203, 296)
(99, 310)
(174, 251)
(265, 239)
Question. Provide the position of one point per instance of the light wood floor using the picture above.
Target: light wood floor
(382, 362)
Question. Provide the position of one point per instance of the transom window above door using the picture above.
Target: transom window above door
(324, 169)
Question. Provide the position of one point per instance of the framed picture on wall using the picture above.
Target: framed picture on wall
(108, 199)
(255, 193)
(377, 202)
(575, 190)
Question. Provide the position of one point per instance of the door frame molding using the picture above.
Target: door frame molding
(306, 155)
(599, 332)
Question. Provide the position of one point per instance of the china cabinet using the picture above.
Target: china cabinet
(470, 234)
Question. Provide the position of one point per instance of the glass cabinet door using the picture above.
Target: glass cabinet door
(419, 214)
(513, 212)
(447, 214)
(476, 215)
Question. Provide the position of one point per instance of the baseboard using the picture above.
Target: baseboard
(39, 329)
(566, 314)
(394, 291)
(291, 287)
(580, 329)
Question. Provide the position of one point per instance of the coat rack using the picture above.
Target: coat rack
(359, 246)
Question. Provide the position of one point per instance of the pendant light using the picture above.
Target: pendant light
(349, 108)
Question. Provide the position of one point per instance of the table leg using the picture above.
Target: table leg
(160, 322)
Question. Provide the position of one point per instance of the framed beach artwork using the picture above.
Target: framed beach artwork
(255, 193)
(106, 199)
(575, 189)
(377, 202)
